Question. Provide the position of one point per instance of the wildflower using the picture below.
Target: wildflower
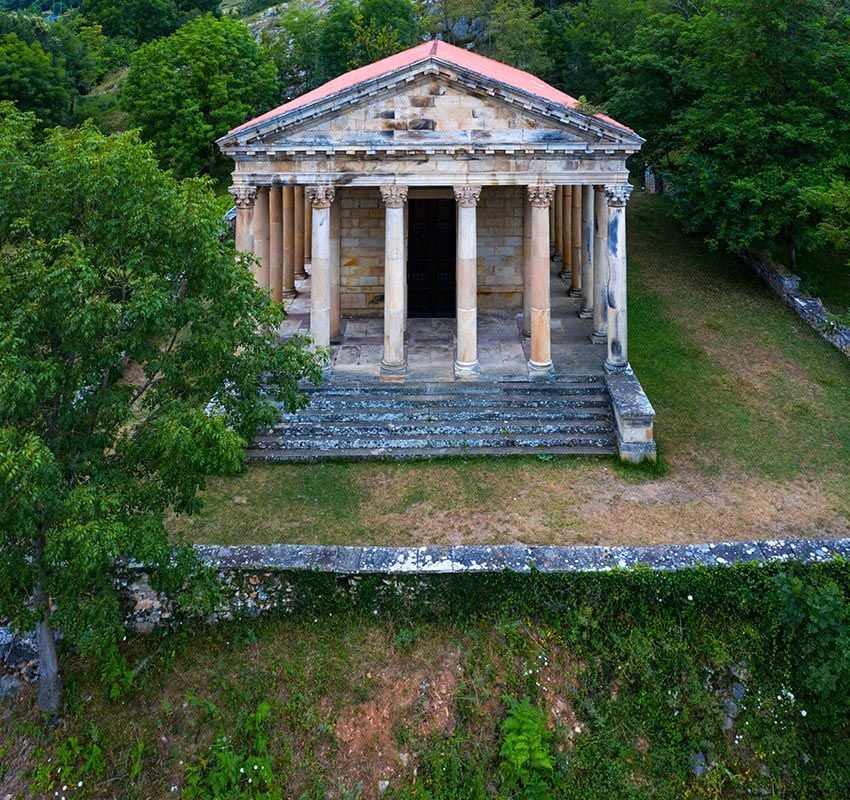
(802, 712)
(690, 597)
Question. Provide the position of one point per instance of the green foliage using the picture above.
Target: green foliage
(137, 356)
(78, 761)
(518, 37)
(293, 46)
(32, 80)
(144, 20)
(238, 765)
(186, 90)
(526, 758)
(816, 617)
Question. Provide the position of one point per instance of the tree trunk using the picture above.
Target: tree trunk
(49, 676)
(791, 240)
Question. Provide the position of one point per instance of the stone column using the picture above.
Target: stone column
(275, 243)
(566, 232)
(244, 198)
(261, 235)
(557, 221)
(618, 353)
(308, 230)
(466, 357)
(575, 235)
(526, 265)
(288, 234)
(600, 267)
(540, 363)
(321, 198)
(393, 363)
(298, 245)
(336, 330)
(586, 308)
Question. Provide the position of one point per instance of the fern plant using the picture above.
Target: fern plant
(526, 758)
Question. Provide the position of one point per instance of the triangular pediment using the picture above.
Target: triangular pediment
(430, 103)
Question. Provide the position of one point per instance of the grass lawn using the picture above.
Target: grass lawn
(753, 427)
(641, 680)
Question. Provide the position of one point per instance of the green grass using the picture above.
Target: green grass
(751, 403)
(633, 673)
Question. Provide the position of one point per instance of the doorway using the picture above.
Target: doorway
(431, 230)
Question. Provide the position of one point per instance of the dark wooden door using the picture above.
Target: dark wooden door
(431, 258)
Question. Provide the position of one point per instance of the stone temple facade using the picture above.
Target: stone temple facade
(439, 183)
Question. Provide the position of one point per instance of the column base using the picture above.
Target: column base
(336, 338)
(573, 292)
(290, 294)
(302, 275)
(585, 313)
(620, 366)
(540, 370)
(467, 372)
(565, 273)
(526, 334)
(599, 337)
(393, 372)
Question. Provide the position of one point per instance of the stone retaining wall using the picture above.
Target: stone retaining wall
(811, 309)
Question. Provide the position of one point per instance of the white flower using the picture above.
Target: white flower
(802, 712)
(690, 597)
(242, 769)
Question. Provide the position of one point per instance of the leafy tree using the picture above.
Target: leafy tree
(769, 122)
(293, 46)
(185, 90)
(144, 20)
(30, 78)
(353, 34)
(518, 37)
(132, 345)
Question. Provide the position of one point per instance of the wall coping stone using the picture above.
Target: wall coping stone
(513, 558)
(811, 309)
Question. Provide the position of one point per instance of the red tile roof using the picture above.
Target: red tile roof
(443, 51)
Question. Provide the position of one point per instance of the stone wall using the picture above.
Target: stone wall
(811, 309)
(361, 220)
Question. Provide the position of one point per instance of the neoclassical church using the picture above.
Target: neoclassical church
(464, 219)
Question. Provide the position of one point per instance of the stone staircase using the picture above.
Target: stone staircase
(364, 419)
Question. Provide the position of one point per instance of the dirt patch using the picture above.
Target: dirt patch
(372, 747)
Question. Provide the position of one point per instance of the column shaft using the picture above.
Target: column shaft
(618, 355)
(466, 358)
(557, 219)
(308, 230)
(288, 234)
(526, 265)
(336, 330)
(321, 198)
(586, 309)
(245, 198)
(261, 236)
(600, 267)
(275, 243)
(540, 362)
(566, 237)
(393, 362)
(575, 236)
(298, 244)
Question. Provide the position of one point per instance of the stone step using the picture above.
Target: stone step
(358, 454)
(547, 386)
(458, 442)
(438, 427)
(344, 416)
(367, 401)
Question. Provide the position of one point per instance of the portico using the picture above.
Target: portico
(440, 183)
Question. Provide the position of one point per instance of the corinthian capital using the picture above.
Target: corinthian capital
(394, 196)
(321, 196)
(618, 194)
(467, 196)
(541, 194)
(243, 196)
